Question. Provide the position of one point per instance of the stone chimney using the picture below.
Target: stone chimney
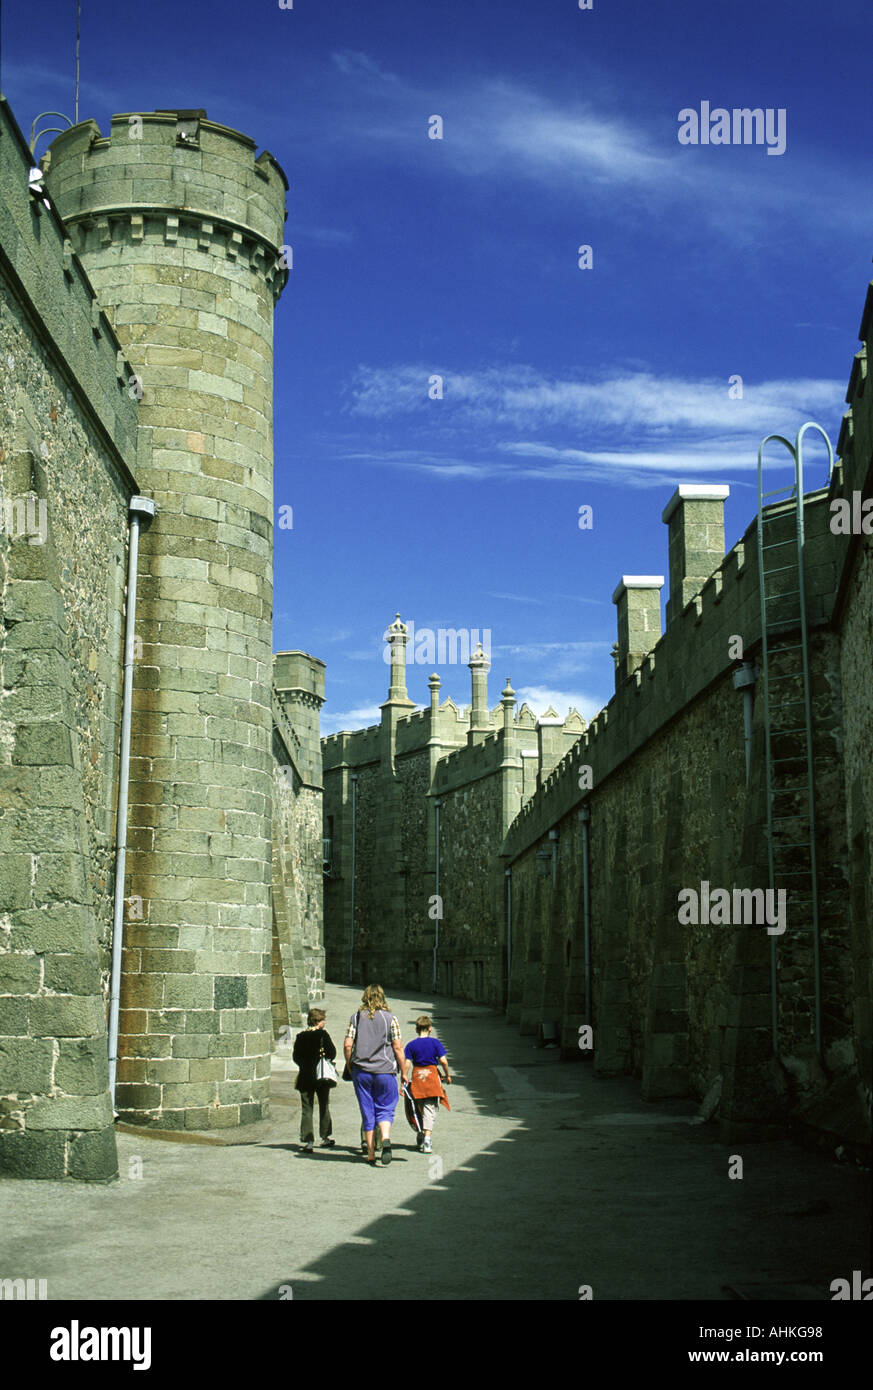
(638, 598)
(550, 743)
(695, 517)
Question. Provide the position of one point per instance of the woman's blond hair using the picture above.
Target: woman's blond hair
(374, 999)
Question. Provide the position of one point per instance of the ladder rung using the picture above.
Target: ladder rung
(788, 676)
(792, 844)
(794, 647)
(799, 815)
(783, 733)
(771, 545)
(784, 704)
(778, 569)
(797, 758)
(774, 598)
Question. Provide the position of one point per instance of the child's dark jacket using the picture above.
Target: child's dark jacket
(307, 1049)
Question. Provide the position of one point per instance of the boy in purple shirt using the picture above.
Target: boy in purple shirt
(426, 1051)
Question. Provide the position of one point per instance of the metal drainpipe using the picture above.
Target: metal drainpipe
(744, 679)
(508, 874)
(137, 507)
(585, 819)
(436, 939)
(354, 781)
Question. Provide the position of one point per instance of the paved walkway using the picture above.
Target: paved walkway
(543, 1179)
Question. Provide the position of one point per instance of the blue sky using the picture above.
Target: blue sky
(416, 257)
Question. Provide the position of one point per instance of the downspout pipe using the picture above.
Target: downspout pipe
(508, 876)
(744, 679)
(585, 821)
(436, 939)
(354, 781)
(138, 507)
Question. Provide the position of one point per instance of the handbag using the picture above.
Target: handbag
(347, 1074)
(325, 1070)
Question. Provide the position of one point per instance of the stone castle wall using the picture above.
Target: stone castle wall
(180, 230)
(402, 767)
(854, 620)
(470, 955)
(67, 448)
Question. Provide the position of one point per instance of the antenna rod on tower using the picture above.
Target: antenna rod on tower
(78, 32)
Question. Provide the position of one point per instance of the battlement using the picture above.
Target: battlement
(174, 177)
(469, 763)
(38, 258)
(285, 728)
(354, 747)
(298, 675)
(853, 471)
(726, 606)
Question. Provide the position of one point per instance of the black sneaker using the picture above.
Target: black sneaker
(386, 1150)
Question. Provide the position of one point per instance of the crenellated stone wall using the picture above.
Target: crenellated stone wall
(180, 227)
(67, 450)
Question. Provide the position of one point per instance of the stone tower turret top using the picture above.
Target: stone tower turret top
(168, 160)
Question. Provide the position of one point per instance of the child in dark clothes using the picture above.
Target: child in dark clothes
(308, 1047)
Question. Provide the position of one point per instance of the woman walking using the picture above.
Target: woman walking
(374, 1056)
(309, 1047)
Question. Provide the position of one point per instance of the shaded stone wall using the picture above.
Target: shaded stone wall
(67, 446)
(855, 620)
(298, 951)
(688, 1007)
(402, 766)
(470, 956)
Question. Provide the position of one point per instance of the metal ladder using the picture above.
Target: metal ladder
(790, 775)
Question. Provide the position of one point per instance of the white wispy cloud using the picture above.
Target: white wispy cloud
(518, 598)
(540, 697)
(678, 426)
(353, 63)
(349, 719)
(509, 129)
(521, 395)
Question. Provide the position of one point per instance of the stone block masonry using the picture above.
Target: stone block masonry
(416, 810)
(180, 230)
(67, 440)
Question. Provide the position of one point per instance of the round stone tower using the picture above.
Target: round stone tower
(180, 229)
